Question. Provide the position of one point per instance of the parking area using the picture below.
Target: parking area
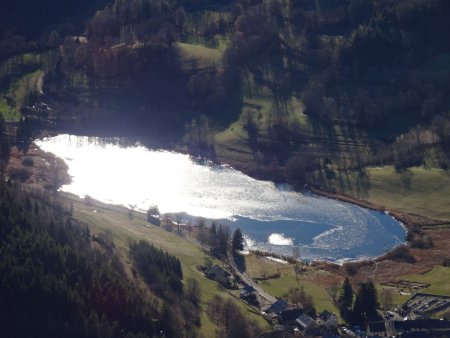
(424, 304)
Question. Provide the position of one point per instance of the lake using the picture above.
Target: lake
(272, 217)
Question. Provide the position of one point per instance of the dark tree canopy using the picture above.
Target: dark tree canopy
(346, 296)
(366, 304)
(237, 243)
(55, 282)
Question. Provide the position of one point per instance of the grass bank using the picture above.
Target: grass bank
(314, 282)
(438, 279)
(418, 190)
(21, 73)
(114, 221)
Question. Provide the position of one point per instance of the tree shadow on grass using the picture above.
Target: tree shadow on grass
(240, 262)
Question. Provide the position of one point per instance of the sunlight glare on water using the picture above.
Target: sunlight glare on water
(279, 239)
(271, 217)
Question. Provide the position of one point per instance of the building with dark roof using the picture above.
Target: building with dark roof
(328, 320)
(279, 306)
(422, 325)
(289, 317)
(308, 326)
(220, 275)
(247, 291)
(376, 329)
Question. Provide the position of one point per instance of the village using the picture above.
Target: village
(412, 319)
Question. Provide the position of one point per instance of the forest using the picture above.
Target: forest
(298, 91)
(316, 88)
(63, 281)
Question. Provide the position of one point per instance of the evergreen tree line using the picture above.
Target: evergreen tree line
(230, 319)
(216, 237)
(356, 63)
(163, 274)
(57, 280)
(4, 144)
(157, 267)
(359, 309)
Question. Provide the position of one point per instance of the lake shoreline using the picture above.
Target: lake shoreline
(42, 178)
(407, 219)
(275, 200)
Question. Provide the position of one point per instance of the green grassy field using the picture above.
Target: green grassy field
(25, 72)
(115, 221)
(198, 56)
(423, 191)
(278, 287)
(18, 93)
(419, 190)
(438, 279)
(233, 145)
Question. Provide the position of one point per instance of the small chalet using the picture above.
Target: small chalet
(220, 275)
(328, 320)
(308, 326)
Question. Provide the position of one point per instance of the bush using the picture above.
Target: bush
(417, 238)
(400, 254)
(20, 174)
(424, 242)
(28, 162)
(414, 232)
(352, 267)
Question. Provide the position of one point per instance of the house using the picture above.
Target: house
(247, 291)
(289, 317)
(328, 320)
(250, 295)
(276, 308)
(308, 326)
(154, 220)
(376, 329)
(422, 325)
(219, 275)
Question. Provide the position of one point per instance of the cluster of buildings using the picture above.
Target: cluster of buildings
(295, 322)
(411, 320)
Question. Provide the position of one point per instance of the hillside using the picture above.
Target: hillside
(61, 280)
(298, 91)
(346, 97)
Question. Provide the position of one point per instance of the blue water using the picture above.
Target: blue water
(272, 217)
(324, 241)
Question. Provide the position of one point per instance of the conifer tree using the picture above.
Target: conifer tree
(346, 297)
(237, 243)
(365, 307)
